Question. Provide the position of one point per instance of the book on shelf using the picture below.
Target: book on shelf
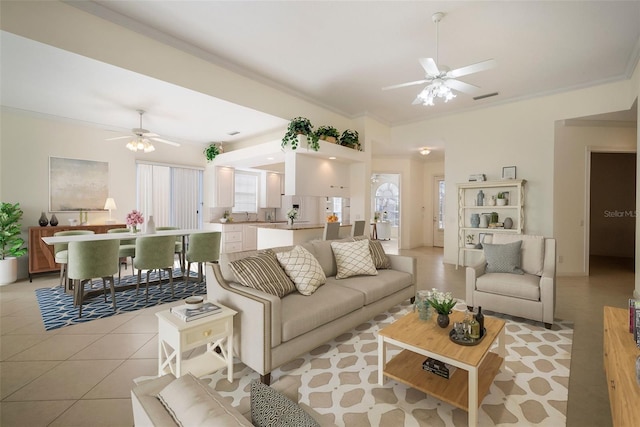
(188, 314)
(439, 368)
(636, 315)
(632, 316)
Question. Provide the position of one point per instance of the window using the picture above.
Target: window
(246, 195)
(172, 194)
(387, 201)
(441, 204)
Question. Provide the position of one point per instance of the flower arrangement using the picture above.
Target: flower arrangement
(442, 302)
(134, 218)
(292, 214)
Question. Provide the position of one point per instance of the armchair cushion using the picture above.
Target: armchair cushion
(525, 286)
(503, 258)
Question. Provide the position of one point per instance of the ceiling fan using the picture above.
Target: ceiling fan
(142, 138)
(442, 80)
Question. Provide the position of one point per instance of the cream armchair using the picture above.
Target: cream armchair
(531, 295)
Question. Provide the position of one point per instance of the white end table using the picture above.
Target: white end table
(176, 336)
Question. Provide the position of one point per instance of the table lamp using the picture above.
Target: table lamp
(109, 205)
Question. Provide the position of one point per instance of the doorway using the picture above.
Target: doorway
(385, 198)
(611, 207)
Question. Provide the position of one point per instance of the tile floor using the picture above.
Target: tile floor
(82, 375)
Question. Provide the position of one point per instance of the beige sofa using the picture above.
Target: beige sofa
(531, 295)
(270, 331)
(193, 402)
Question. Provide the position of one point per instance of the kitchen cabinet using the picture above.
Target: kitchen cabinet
(312, 176)
(235, 237)
(270, 190)
(221, 182)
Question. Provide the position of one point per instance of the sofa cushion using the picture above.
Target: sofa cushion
(503, 258)
(525, 286)
(271, 408)
(380, 258)
(192, 403)
(532, 250)
(263, 272)
(301, 314)
(321, 249)
(375, 288)
(353, 258)
(303, 269)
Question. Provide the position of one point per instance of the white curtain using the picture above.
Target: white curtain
(173, 195)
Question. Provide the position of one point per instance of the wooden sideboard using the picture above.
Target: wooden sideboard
(41, 258)
(620, 353)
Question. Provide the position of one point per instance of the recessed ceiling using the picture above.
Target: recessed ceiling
(336, 54)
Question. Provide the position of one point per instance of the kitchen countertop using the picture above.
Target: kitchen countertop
(296, 226)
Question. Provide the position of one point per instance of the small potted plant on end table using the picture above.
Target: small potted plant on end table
(11, 244)
(300, 126)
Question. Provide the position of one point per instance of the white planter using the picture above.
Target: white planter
(8, 270)
(501, 202)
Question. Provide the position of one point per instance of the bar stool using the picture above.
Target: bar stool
(331, 231)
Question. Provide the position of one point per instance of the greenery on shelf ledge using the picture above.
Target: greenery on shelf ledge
(211, 152)
(328, 131)
(300, 126)
(350, 138)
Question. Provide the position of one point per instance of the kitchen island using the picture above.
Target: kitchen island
(277, 234)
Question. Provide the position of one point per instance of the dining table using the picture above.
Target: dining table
(184, 233)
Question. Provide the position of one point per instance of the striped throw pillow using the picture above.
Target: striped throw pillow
(380, 258)
(263, 272)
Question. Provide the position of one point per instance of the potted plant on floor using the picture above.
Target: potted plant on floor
(350, 138)
(300, 126)
(328, 133)
(11, 244)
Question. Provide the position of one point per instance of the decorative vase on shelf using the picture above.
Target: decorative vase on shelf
(43, 221)
(492, 201)
(443, 320)
(484, 221)
(475, 220)
(480, 198)
(508, 223)
(53, 221)
(151, 225)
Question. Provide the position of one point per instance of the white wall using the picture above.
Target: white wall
(520, 134)
(570, 211)
(26, 142)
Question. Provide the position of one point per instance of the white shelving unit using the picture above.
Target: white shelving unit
(467, 205)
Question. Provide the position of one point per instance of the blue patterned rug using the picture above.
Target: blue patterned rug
(57, 310)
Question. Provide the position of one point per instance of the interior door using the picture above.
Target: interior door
(438, 211)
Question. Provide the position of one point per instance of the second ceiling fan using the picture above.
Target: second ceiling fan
(442, 80)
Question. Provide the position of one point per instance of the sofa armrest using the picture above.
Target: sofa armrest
(404, 263)
(472, 274)
(252, 325)
(147, 409)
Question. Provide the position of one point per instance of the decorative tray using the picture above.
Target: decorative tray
(467, 341)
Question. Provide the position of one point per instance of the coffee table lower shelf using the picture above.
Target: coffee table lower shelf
(406, 367)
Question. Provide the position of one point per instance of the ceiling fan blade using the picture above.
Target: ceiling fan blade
(417, 101)
(473, 68)
(461, 86)
(417, 82)
(118, 137)
(175, 144)
(429, 66)
(150, 135)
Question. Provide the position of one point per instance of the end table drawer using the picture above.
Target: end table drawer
(204, 334)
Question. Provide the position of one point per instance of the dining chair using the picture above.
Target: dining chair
(357, 228)
(154, 253)
(178, 245)
(331, 231)
(61, 253)
(89, 260)
(203, 247)
(127, 249)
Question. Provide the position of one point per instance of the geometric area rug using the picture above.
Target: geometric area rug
(339, 379)
(57, 309)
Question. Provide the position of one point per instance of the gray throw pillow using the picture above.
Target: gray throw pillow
(269, 408)
(503, 258)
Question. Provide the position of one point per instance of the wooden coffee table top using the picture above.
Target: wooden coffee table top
(427, 335)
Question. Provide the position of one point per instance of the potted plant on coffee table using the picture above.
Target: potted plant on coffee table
(300, 126)
(350, 138)
(11, 244)
(328, 133)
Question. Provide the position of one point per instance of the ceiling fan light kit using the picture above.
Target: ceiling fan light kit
(142, 139)
(441, 81)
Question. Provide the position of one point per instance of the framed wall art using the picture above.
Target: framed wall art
(509, 172)
(77, 185)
